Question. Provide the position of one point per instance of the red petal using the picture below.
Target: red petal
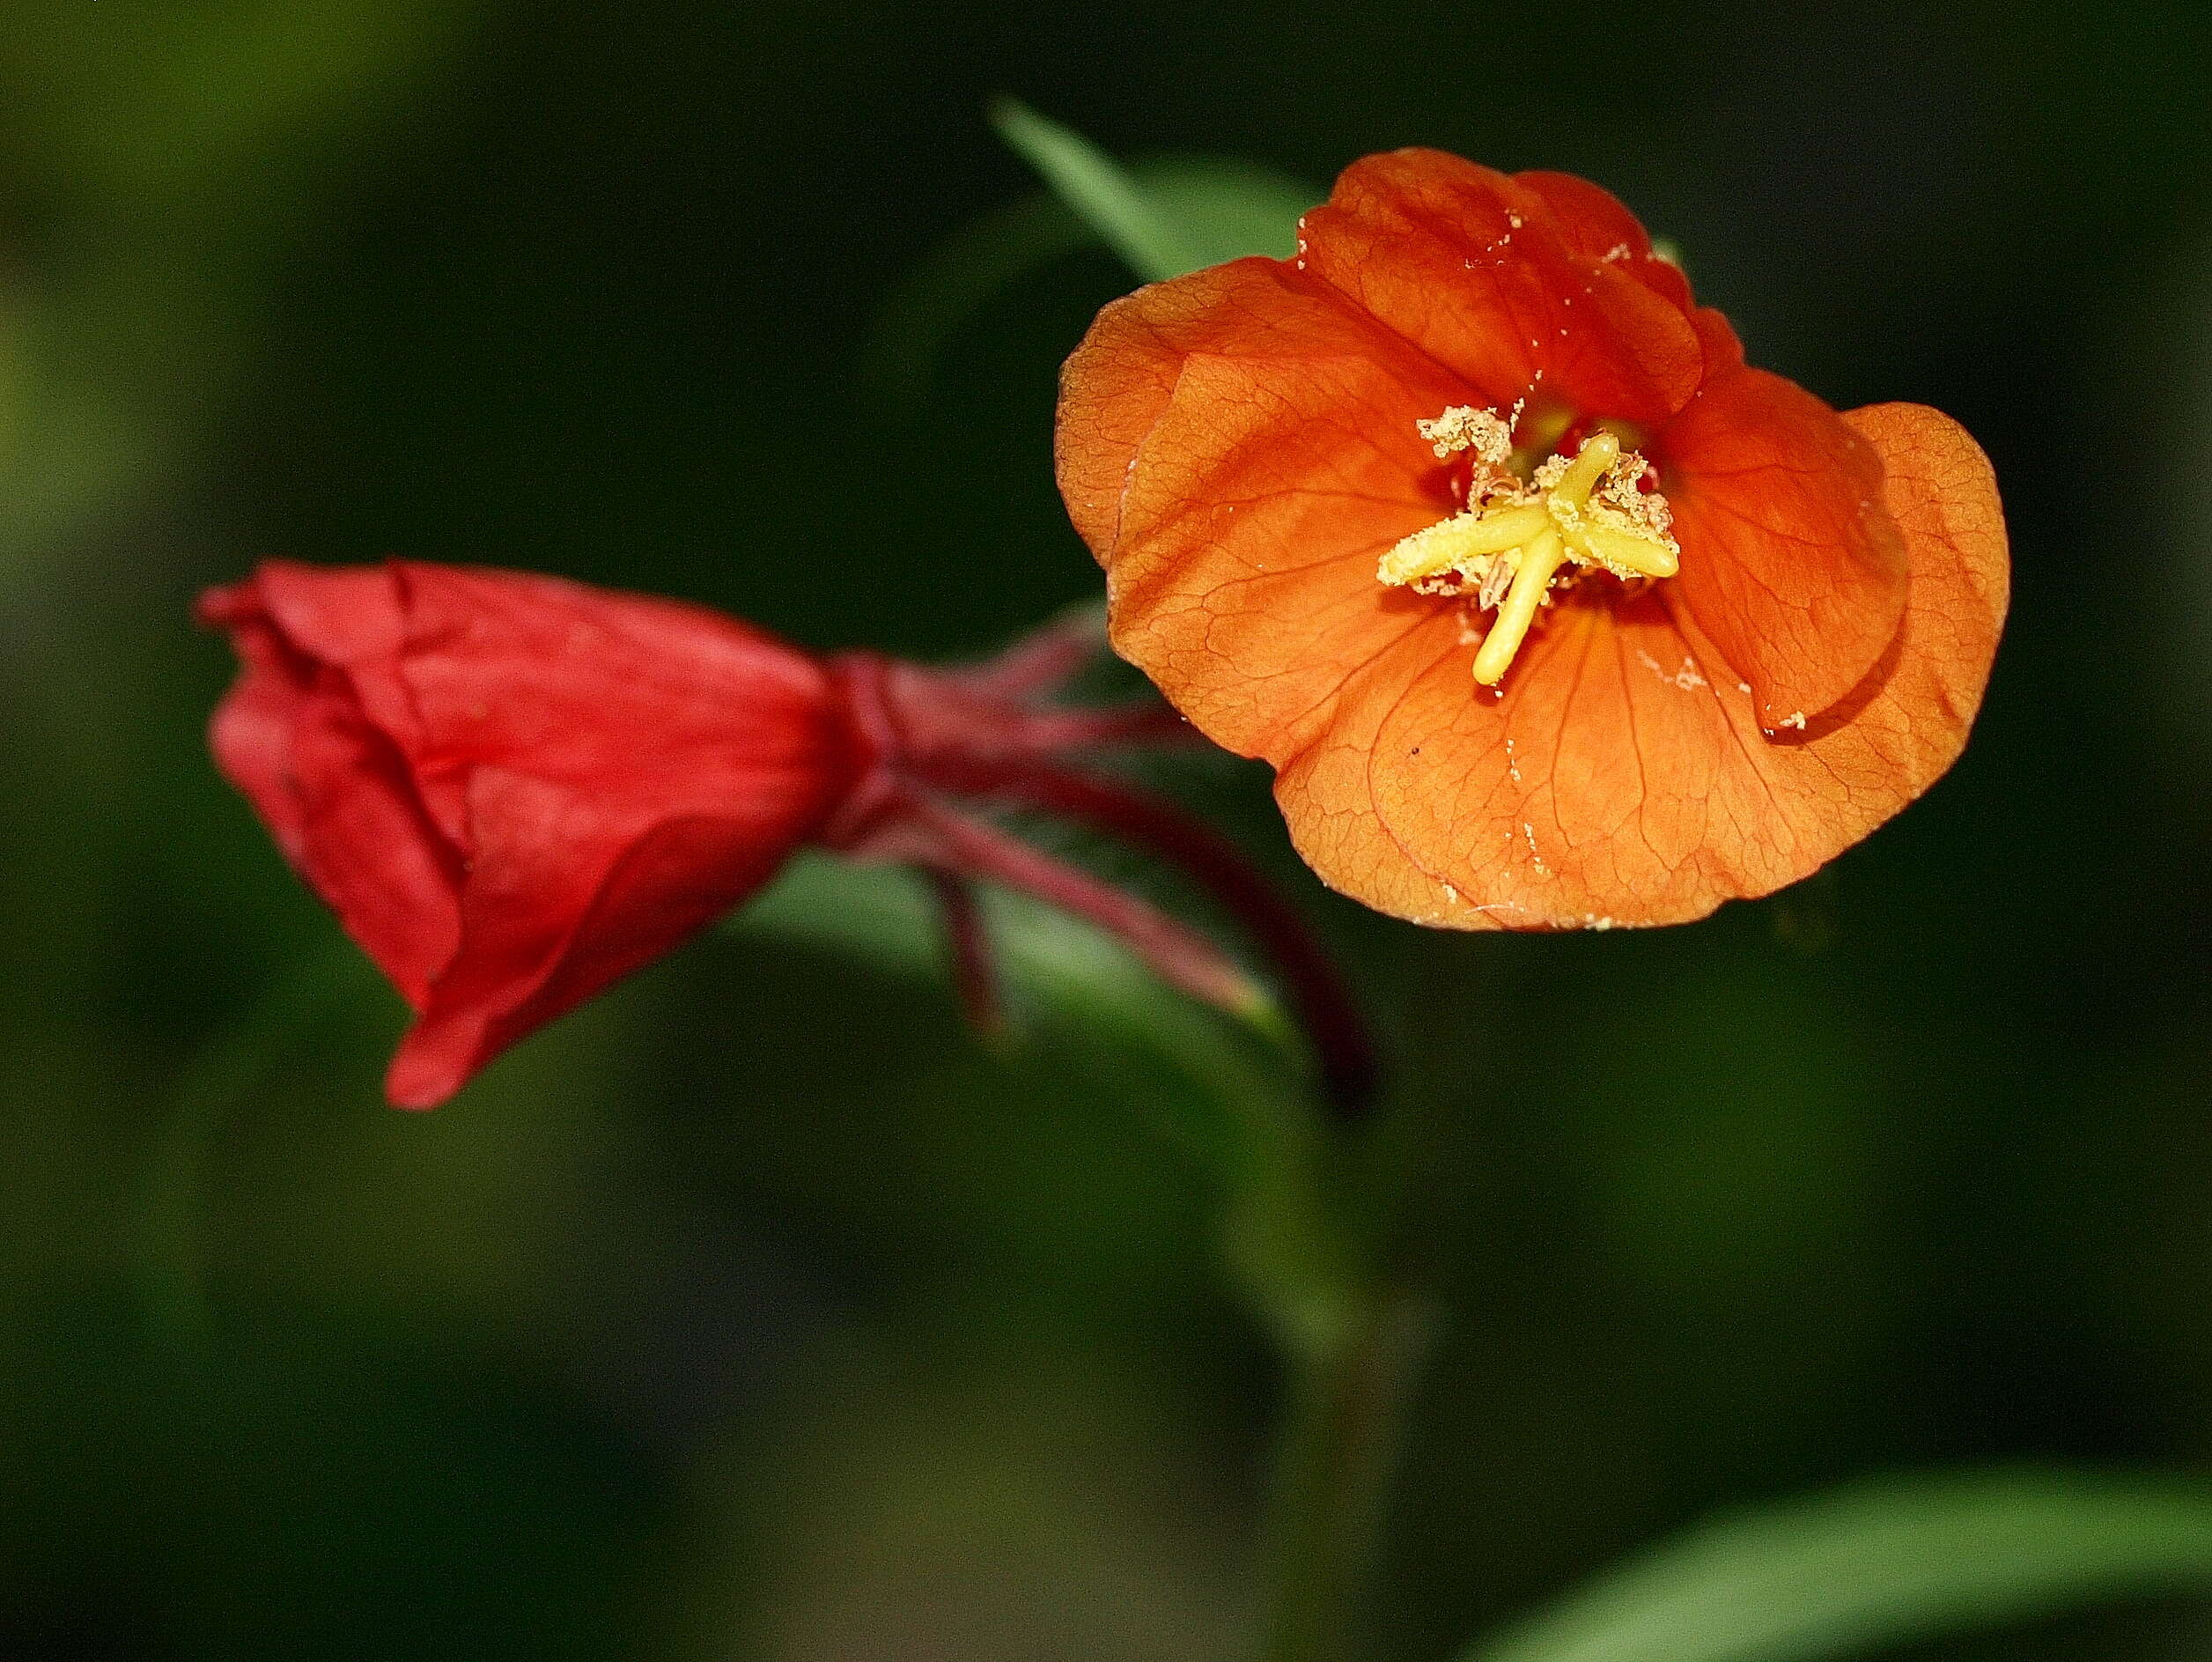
(250, 734)
(1789, 560)
(562, 903)
(1478, 271)
(1240, 446)
(332, 788)
(632, 769)
(606, 773)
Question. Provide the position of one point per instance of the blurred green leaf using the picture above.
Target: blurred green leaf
(987, 257)
(1167, 218)
(1058, 973)
(1231, 1091)
(1095, 187)
(224, 1074)
(1225, 209)
(1163, 217)
(1880, 1564)
(1219, 209)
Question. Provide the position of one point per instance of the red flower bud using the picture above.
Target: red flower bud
(513, 790)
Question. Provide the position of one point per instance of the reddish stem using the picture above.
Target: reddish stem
(1096, 728)
(933, 736)
(1040, 660)
(1319, 996)
(938, 836)
(974, 976)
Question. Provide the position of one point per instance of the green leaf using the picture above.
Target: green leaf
(1881, 1563)
(1223, 209)
(1060, 975)
(1230, 1091)
(1094, 185)
(1186, 211)
(958, 278)
(222, 1077)
(1166, 217)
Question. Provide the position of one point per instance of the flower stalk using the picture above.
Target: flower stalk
(937, 743)
(1339, 1444)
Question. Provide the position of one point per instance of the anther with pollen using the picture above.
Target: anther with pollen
(1516, 541)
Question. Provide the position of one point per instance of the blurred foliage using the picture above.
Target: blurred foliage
(1201, 211)
(1887, 1561)
(1162, 222)
(756, 1310)
(1250, 1119)
(160, 158)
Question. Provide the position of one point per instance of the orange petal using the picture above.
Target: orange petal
(1717, 336)
(1595, 226)
(1239, 447)
(1789, 560)
(1588, 796)
(1328, 791)
(1623, 778)
(1476, 269)
(1116, 385)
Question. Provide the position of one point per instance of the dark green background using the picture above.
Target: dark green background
(754, 1311)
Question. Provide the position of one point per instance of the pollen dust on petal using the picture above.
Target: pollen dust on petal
(1528, 830)
(1687, 677)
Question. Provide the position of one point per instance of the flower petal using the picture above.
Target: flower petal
(1623, 778)
(1327, 789)
(1717, 336)
(514, 789)
(1239, 447)
(1595, 226)
(1477, 271)
(1942, 494)
(1587, 795)
(628, 769)
(1789, 560)
(331, 786)
(562, 903)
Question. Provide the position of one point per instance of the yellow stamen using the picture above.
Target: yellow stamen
(1598, 453)
(1507, 549)
(1615, 550)
(1538, 560)
(1452, 543)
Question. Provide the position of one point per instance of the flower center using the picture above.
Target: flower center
(1516, 541)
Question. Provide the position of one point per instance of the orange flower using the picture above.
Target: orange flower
(1547, 610)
